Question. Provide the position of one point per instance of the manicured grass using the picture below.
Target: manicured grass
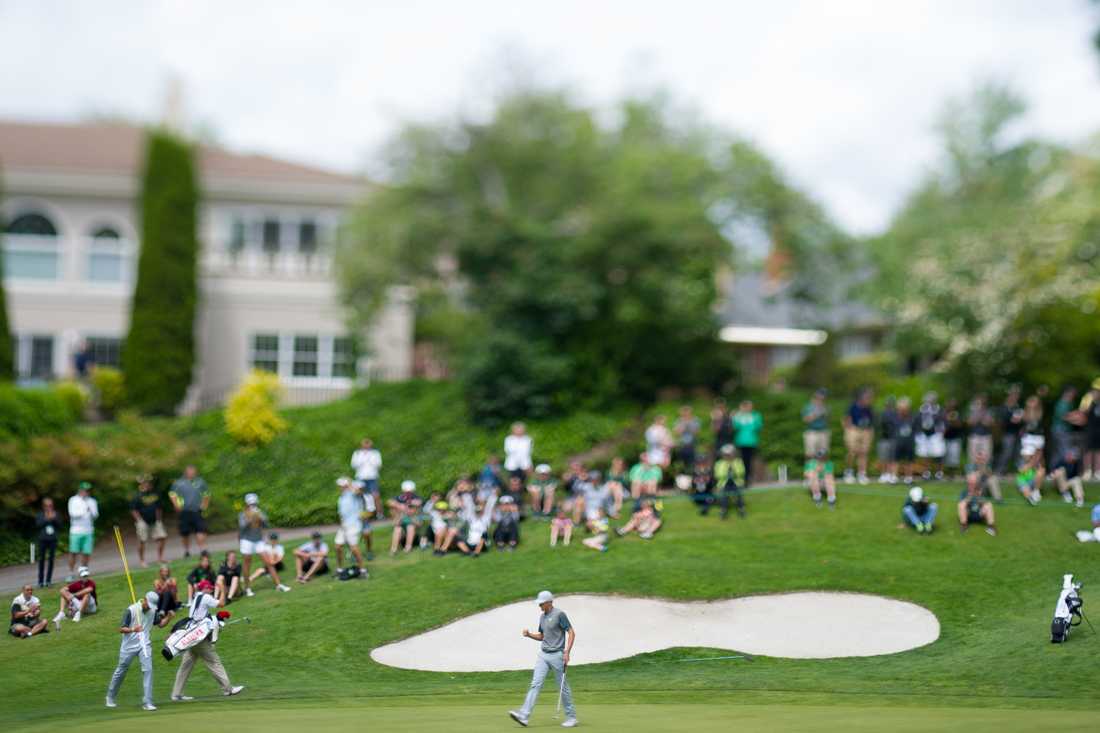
(305, 657)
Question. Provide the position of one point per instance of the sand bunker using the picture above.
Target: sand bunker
(797, 625)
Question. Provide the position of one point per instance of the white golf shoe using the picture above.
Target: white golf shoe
(235, 690)
(109, 702)
(518, 717)
(182, 698)
(149, 706)
(569, 723)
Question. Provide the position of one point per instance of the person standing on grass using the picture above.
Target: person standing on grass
(859, 433)
(26, 615)
(148, 519)
(815, 421)
(191, 497)
(351, 509)
(721, 424)
(979, 421)
(1090, 406)
(888, 441)
(557, 636)
(686, 428)
(83, 511)
(251, 523)
(747, 424)
(1011, 417)
(367, 465)
(518, 447)
(137, 622)
(201, 606)
(49, 527)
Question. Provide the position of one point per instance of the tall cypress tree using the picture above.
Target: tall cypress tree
(7, 362)
(159, 357)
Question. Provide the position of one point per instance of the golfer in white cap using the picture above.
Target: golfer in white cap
(136, 623)
(557, 636)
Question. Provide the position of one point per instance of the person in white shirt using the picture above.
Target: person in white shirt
(518, 447)
(352, 508)
(83, 511)
(136, 624)
(201, 606)
(658, 440)
(26, 615)
(272, 553)
(311, 558)
(367, 464)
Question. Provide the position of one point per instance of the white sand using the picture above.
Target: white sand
(797, 625)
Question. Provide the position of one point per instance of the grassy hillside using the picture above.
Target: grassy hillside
(305, 658)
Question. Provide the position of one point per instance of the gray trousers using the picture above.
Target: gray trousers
(203, 650)
(545, 662)
(124, 659)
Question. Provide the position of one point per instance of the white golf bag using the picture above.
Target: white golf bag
(188, 632)
(1067, 612)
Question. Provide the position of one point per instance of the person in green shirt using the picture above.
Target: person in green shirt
(747, 424)
(729, 474)
(819, 471)
(644, 477)
(815, 421)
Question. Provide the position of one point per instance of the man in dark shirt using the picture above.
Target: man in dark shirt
(191, 498)
(975, 508)
(918, 512)
(1011, 418)
(203, 571)
(228, 585)
(859, 431)
(148, 519)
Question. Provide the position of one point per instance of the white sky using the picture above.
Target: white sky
(842, 92)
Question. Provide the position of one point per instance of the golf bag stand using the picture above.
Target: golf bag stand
(1067, 612)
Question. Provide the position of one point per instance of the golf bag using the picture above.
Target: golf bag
(187, 634)
(1067, 612)
(350, 574)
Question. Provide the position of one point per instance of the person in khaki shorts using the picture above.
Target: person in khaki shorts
(145, 506)
(815, 418)
(859, 430)
(201, 606)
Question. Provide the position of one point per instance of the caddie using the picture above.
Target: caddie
(136, 624)
(557, 637)
(203, 605)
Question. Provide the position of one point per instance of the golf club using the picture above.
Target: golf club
(561, 691)
(246, 619)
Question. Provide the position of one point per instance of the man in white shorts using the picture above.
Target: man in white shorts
(352, 507)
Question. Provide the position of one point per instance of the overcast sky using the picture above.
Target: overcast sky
(844, 93)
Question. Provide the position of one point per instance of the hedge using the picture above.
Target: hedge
(25, 413)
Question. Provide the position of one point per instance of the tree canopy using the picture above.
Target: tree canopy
(579, 255)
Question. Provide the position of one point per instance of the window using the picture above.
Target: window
(30, 248)
(105, 351)
(41, 357)
(343, 358)
(271, 235)
(237, 234)
(106, 260)
(307, 236)
(305, 356)
(265, 352)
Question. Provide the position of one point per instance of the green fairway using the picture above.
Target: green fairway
(305, 658)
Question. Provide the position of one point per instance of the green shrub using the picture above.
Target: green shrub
(75, 397)
(35, 411)
(110, 387)
(251, 417)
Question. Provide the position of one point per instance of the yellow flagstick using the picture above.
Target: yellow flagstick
(125, 565)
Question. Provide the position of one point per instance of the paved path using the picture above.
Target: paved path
(106, 561)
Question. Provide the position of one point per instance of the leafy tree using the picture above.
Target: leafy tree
(7, 361)
(581, 258)
(1003, 235)
(160, 351)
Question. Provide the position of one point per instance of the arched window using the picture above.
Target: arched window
(105, 233)
(107, 260)
(31, 223)
(31, 248)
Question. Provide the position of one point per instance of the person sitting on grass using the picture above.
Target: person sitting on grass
(444, 527)
(271, 555)
(702, 485)
(1030, 475)
(918, 512)
(599, 527)
(541, 490)
(476, 518)
(646, 521)
(167, 596)
(506, 534)
(729, 476)
(617, 483)
(981, 463)
(311, 558)
(596, 497)
(405, 508)
(77, 598)
(975, 508)
(1092, 535)
(26, 615)
(819, 473)
(202, 571)
(645, 477)
(562, 525)
(1066, 472)
(228, 584)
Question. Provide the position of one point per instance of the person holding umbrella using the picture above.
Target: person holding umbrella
(557, 637)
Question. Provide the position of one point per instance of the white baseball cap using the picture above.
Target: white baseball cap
(251, 499)
(544, 596)
(343, 481)
(542, 468)
(83, 571)
(152, 599)
(408, 485)
(916, 493)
